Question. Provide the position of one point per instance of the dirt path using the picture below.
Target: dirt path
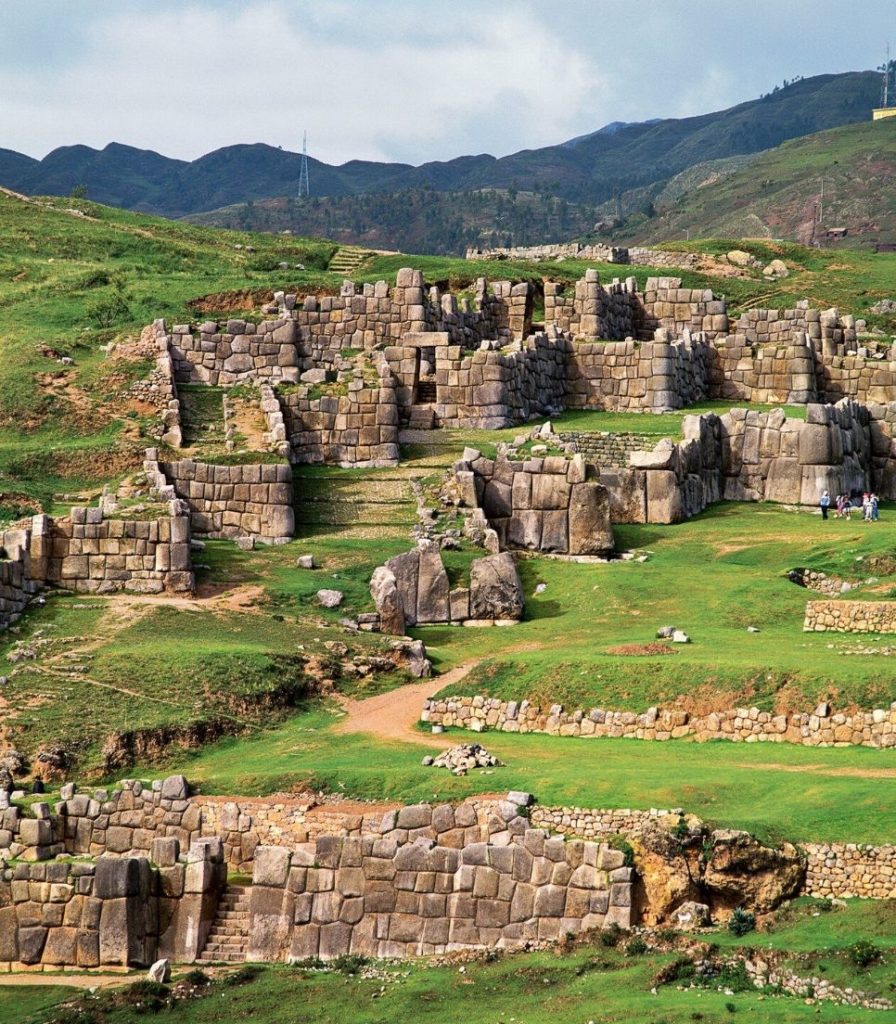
(819, 769)
(394, 715)
(69, 980)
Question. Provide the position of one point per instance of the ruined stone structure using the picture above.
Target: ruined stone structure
(633, 255)
(818, 728)
(96, 552)
(541, 504)
(149, 879)
(253, 500)
(850, 617)
(413, 589)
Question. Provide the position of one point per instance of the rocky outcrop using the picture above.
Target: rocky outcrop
(741, 871)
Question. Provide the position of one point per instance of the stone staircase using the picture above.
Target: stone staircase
(347, 258)
(228, 940)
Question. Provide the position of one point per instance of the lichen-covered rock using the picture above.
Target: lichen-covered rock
(741, 871)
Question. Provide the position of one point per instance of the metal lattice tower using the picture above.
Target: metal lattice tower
(304, 187)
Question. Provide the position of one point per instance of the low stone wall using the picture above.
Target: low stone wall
(847, 870)
(600, 253)
(376, 897)
(95, 552)
(850, 617)
(541, 504)
(228, 501)
(821, 728)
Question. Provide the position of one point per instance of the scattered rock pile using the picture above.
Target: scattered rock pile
(463, 758)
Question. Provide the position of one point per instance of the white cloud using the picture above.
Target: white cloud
(409, 80)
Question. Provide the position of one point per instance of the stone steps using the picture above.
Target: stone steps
(228, 940)
(347, 258)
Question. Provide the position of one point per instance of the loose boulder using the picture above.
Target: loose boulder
(743, 872)
(496, 591)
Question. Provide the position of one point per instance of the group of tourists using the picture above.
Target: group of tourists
(868, 504)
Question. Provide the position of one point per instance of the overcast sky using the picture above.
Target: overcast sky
(400, 80)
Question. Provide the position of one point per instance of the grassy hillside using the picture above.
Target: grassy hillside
(776, 194)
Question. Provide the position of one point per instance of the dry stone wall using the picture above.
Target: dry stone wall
(124, 912)
(599, 253)
(90, 551)
(242, 351)
(375, 897)
(850, 617)
(358, 428)
(848, 870)
(228, 501)
(550, 504)
(819, 728)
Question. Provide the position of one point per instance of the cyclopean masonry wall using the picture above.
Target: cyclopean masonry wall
(124, 912)
(821, 728)
(850, 617)
(228, 501)
(541, 504)
(242, 351)
(376, 897)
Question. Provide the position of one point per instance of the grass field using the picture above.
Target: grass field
(586, 982)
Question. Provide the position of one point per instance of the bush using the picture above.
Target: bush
(611, 936)
(636, 946)
(349, 963)
(197, 978)
(625, 848)
(730, 1007)
(741, 921)
(863, 953)
(243, 975)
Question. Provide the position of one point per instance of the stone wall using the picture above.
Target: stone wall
(376, 897)
(540, 504)
(124, 912)
(599, 253)
(850, 617)
(654, 376)
(92, 551)
(242, 351)
(847, 870)
(819, 728)
(357, 428)
(228, 501)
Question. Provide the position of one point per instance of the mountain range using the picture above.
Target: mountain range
(580, 173)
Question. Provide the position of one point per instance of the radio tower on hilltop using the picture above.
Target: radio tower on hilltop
(304, 187)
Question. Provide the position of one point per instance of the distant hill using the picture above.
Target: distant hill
(778, 193)
(594, 169)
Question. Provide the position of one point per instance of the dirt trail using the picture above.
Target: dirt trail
(819, 769)
(394, 715)
(70, 980)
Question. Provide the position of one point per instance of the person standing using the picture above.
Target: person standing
(824, 504)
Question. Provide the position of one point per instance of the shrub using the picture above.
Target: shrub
(730, 1007)
(863, 953)
(636, 946)
(109, 311)
(611, 935)
(197, 978)
(349, 963)
(741, 921)
(243, 975)
(625, 848)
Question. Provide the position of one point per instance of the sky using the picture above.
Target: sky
(397, 80)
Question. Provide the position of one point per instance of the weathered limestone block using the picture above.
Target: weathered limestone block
(496, 591)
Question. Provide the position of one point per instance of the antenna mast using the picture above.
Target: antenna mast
(304, 187)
